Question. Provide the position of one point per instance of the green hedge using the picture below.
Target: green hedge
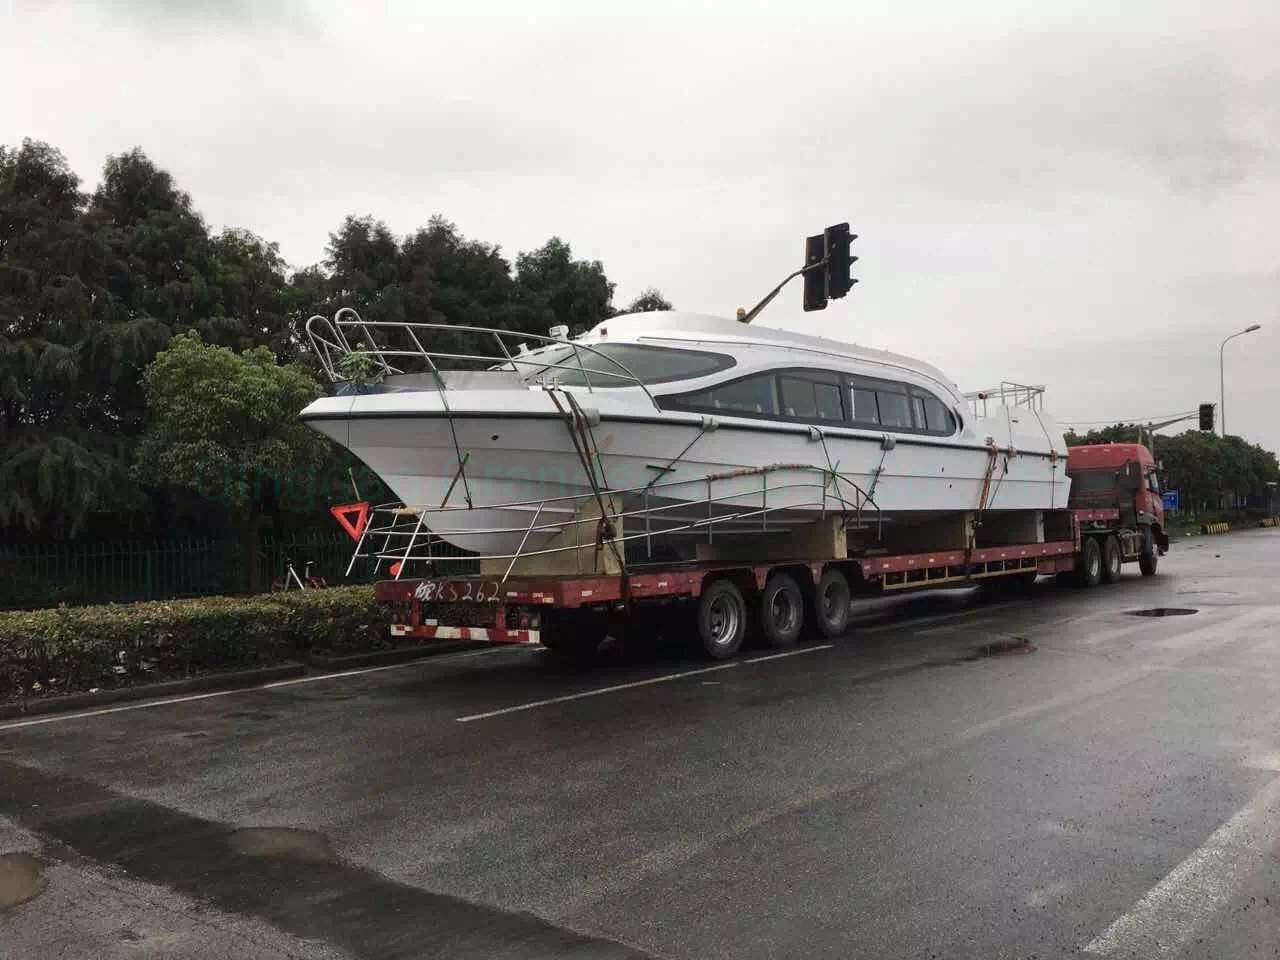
(81, 648)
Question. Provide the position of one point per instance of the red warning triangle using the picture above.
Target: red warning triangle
(352, 516)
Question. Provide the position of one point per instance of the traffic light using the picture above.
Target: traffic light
(815, 276)
(1206, 416)
(835, 242)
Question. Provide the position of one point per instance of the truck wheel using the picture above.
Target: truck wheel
(781, 611)
(1089, 569)
(722, 619)
(1148, 560)
(1111, 559)
(831, 601)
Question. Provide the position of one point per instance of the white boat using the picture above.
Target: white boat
(689, 426)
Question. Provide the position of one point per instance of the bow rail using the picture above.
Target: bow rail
(402, 349)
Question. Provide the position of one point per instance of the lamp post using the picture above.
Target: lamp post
(1222, 382)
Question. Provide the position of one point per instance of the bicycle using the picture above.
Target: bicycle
(290, 580)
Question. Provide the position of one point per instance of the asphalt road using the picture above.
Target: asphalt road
(1113, 789)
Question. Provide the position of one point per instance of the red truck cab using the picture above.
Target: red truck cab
(1122, 475)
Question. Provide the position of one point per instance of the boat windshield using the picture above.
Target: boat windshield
(599, 366)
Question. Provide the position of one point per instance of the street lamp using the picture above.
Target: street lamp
(1222, 383)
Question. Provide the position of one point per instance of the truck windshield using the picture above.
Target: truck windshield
(1093, 481)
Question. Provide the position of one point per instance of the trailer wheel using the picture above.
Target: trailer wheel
(831, 599)
(1148, 559)
(722, 619)
(1089, 568)
(1112, 557)
(781, 611)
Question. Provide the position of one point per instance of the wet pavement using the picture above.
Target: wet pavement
(1046, 777)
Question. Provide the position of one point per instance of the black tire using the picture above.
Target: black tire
(831, 598)
(1148, 559)
(1112, 558)
(722, 619)
(1089, 568)
(781, 612)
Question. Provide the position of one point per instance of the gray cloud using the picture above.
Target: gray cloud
(167, 13)
(1085, 196)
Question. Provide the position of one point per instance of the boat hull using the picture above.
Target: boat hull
(497, 483)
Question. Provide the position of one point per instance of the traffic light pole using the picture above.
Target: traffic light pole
(755, 311)
(826, 254)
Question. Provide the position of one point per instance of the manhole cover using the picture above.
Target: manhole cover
(1000, 648)
(1164, 612)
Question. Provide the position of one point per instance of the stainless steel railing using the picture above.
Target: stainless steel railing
(396, 348)
(398, 536)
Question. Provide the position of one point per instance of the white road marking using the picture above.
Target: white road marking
(1162, 922)
(421, 661)
(191, 698)
(1108, 636)
(910, 626)
(147, 705)
(598, 691)
(1194, 638)
(791, 653)
(615, 688)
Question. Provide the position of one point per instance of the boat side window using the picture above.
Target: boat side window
(749, 395)
(917, 409)
(829, 405)
(894, 410)
(931, 413)
(864, 406)
(810, 399)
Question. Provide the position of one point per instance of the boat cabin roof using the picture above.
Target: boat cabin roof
(684, 327)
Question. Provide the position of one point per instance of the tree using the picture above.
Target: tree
(648, 301)
(226, 425)
(67, 353)
(1116, 433)
(556, 289)
(159, 246)
(252, 300)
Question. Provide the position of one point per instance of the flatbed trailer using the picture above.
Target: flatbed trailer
(728, 600)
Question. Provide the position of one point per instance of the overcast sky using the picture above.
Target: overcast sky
(1083, 195)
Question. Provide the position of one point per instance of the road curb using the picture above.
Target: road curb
(376, 658)
(149, 691)
(1269, 522)
(1215, 527)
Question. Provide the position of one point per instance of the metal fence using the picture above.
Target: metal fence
(43, 575)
